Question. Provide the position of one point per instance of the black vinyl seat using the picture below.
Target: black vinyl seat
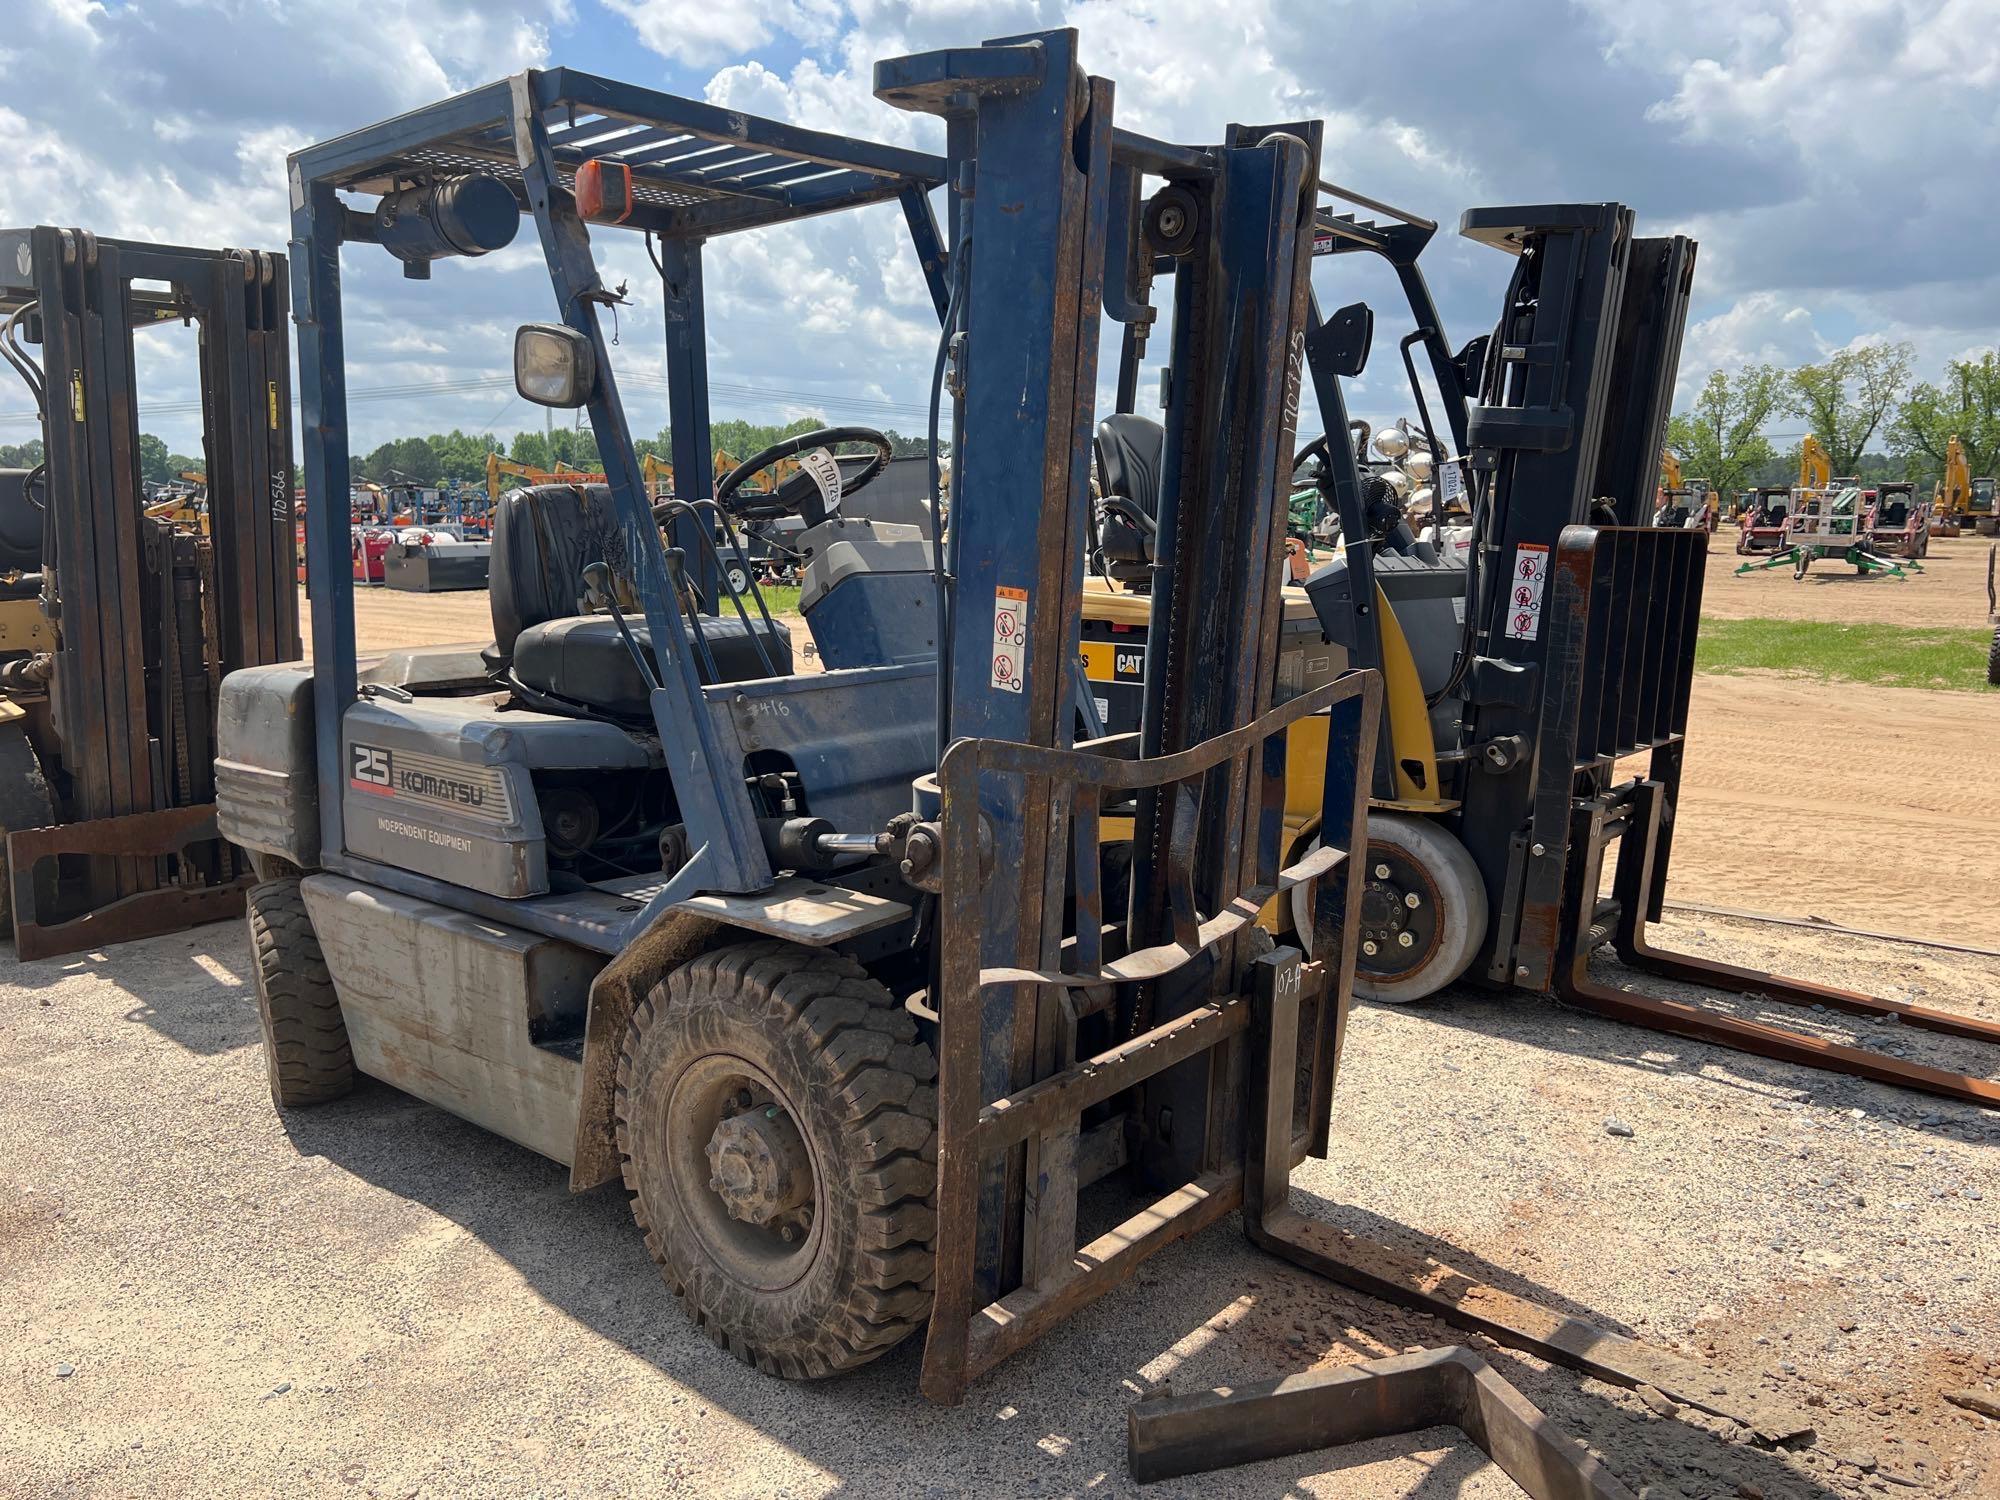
(553, 653)
(1130, 452)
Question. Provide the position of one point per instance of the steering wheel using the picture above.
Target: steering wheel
(802, 495)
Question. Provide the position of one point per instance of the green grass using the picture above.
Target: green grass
(1895, 655)
(779, 599)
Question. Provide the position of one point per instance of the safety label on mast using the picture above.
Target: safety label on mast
(1010, 638)
(1524, 601)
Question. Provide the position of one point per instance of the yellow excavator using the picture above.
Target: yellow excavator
(498, 468)
(1815, 467)
(1952, 497)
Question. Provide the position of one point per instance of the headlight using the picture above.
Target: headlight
(1391, 444)
(554, 365)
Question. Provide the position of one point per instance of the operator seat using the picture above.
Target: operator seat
(1130, 452)
(560, 658)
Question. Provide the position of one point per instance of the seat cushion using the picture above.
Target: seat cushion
(583, 660)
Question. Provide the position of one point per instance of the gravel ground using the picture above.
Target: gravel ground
(377, 1299)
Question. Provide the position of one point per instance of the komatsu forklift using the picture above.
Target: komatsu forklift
(822, 966)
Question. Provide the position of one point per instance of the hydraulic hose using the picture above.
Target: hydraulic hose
(940, 574)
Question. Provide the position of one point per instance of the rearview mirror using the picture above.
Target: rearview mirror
(554, 365)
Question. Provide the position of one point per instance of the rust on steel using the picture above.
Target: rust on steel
(1169, 1436)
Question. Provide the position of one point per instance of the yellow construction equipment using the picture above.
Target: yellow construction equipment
(498, 468)
(1815, 467)
(1953, 494)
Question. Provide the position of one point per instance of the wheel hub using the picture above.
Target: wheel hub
(1398, 916)
(759, 1165)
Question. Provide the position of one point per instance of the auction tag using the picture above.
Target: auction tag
(1524, 600)
(1010, 638)
(824, 472)
(1451, 483)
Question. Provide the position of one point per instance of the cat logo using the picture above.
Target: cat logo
(1130, 664)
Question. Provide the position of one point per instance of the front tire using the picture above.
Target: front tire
(777, 1123)
(305, 1040)
(1993, 659)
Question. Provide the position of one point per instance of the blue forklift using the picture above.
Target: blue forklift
(828, 968)
(857, 980)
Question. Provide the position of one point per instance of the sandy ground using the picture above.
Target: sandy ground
(1950, 591)
(200, 1297)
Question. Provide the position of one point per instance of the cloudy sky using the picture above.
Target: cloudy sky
(1835, 158)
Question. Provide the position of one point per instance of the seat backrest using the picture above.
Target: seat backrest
(1130, 449)
(544, 536)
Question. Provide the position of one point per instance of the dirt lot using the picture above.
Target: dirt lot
(1950, 591)
(374, 1298)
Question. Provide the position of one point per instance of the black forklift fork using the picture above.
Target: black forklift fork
(1624, 603)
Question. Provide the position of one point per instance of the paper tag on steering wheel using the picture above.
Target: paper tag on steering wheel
(824, 471)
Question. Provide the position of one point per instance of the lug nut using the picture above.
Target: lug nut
(1411, 900)
(1368, 948)
(790, 1234)
(1381, 872)
(1404, 940)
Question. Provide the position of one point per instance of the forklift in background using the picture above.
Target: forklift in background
(1564, 645)
(118, 622)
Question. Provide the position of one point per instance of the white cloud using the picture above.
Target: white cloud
(699, 31)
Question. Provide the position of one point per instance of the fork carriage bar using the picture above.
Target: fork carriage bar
(968, 1335)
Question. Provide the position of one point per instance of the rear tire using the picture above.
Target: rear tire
(1993, 659)
(305, 1040)
(796, 1228)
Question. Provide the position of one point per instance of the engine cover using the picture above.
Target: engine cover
(436, 790)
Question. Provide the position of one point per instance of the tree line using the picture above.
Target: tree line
(441, 457)
(1866, 407)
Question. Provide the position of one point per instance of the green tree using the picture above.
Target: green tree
(1849, 397)
(153, 457)
(21, 455)
(1720, 438)
(1965, 405)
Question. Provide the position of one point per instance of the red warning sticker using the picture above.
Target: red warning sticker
(1010, 638)
(1524, 602)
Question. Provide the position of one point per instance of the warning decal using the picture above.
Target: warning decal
(1524, 601)
(1010, 638)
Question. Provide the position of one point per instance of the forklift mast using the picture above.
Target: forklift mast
(1033, 954)
(1567, 432)
(147, 616)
